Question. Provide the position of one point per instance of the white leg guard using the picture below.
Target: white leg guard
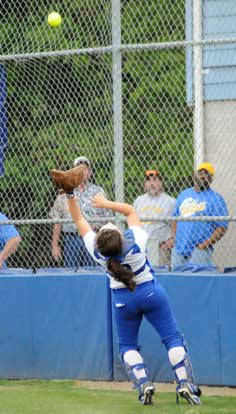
(137, 372)
(182, 367)
(135, 367)
(177, 359)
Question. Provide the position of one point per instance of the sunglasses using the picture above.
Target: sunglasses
(83, 163)
(204, 172)
(148, 177)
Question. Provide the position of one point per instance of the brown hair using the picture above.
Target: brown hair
(109, 244)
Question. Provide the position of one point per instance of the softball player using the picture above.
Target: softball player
(135, 295)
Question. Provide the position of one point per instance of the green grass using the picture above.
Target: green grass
(67, 397)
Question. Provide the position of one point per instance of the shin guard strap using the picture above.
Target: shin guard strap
(130, 371)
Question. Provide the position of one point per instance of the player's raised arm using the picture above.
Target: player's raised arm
(75, 212)
(127, 210)
(66, 182)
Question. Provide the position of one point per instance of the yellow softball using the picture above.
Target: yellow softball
(54, 19)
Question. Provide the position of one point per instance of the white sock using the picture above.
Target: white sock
(132, 358)
(176, 355)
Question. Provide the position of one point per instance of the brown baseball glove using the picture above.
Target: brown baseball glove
(67, 181)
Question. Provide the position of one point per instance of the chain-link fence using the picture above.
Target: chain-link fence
(132, 86)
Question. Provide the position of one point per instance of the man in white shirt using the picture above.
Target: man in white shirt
(155, 203)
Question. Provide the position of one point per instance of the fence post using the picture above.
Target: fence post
(198, 85)
(117, 101)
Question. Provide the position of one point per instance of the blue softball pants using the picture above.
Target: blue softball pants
(148, 300)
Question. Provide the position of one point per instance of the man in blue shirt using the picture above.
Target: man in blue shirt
(193, 241)
(9, 241)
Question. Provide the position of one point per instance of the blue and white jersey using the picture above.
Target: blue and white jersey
(133, 255)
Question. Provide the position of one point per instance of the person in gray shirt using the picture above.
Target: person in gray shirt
(155, 203)
(74, 253)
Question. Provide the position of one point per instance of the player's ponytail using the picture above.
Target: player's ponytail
(109, 244)
(121, 273)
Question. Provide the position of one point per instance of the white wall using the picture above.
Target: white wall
(220, 149)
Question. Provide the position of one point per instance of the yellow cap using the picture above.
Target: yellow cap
(208, 167)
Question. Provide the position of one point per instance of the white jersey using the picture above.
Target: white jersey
(133, 255)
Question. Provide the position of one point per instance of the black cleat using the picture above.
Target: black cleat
(147, 390)
(189, 392)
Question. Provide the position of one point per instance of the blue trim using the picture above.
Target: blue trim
(146, 264)
(135, 249)
(97, 255)
(141, 269)
(129, 241)
(150, 266)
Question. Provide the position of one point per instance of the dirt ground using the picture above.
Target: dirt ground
(127, 386)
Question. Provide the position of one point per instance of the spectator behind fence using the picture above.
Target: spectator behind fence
(9, 241)
(155, 203)
(194, 240)
(75, 254)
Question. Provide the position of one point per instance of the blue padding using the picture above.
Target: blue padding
(55, 327)
(192, 268)
(15, 272)
(193, 298)
(227, 328)
(161, 269)
(69, 270)
(68, 342)
(16, 328)
(54, 271)
(90, 270)
(60, 326)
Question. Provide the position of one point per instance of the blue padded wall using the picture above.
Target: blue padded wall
(227, 327)
(55, 327)
(15, 332)
(58, 324)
